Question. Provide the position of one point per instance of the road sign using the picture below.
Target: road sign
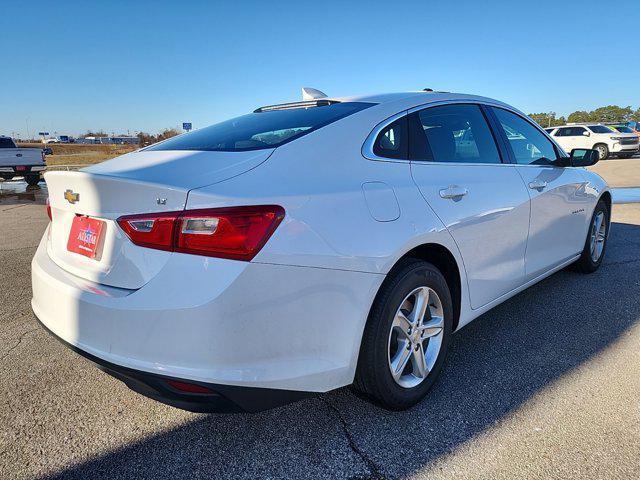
(186, 126)
(43, 133)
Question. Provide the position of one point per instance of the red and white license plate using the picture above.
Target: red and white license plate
(21, 168)
(85, 235)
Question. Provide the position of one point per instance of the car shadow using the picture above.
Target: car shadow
(495, 364)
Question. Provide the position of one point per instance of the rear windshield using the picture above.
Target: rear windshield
(600, 129)
(255, 131)
(6, 143)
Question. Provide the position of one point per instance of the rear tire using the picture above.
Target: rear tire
(32, 179)
(414, 351)
(596, 242)
(603, 151)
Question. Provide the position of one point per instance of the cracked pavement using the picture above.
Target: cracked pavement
(547, 385)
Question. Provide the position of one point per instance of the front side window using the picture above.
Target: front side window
(453, 134)
(563, 132)
(529, 145)
(576, 131)
(261, 130)
(600, 129)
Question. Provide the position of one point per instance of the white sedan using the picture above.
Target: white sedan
(311, 245)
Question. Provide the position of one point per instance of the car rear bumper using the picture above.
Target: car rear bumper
(217, 322)
(16, 170)
(222, 399)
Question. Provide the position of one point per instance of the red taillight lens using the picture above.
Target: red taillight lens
(49, 209)
(188, 387)
(236, 232)
(154, 230)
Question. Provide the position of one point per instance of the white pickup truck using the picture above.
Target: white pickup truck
(23, 162)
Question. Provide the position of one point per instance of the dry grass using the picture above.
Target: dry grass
(80, 154)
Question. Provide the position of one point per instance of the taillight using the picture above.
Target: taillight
(153, 230)
(235, 232)
(49, 209)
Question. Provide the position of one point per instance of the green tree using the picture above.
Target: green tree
(548, 119)
(612, 113)
(580, 116)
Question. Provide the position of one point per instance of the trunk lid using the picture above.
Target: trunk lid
(140, 182)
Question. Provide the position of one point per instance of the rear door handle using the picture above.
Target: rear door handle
(454, 192)
(537, 185)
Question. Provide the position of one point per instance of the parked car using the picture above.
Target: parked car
(634, 125)
(59, 139)
(629, 127)
(311, 245)
(597, 136)
(620, 128)
(22, 162)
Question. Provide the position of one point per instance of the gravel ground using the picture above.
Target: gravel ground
(547, 385)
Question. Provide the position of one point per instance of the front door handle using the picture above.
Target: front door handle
(453, 191)
(538, 185)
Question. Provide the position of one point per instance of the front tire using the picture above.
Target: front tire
(406, 337)
(603, 151)
(596, 242)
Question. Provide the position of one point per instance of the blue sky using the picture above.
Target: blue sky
(146, 65)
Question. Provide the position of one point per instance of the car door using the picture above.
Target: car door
(559, 204)
(564, 138)
(457, 166)
(579, 138)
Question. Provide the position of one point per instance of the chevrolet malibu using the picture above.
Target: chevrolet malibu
(311, 245)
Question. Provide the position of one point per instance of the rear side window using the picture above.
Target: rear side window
(392, 141)
(256, 131)
(452, 133)
(6, 143)
(529, 145)
(600, 129)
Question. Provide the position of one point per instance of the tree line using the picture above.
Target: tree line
(145, 138)
(608, 114)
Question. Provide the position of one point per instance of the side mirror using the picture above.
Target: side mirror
(586, 134)
(583, 157)
(48, 151)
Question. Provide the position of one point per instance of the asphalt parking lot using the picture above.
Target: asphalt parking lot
(547, 385)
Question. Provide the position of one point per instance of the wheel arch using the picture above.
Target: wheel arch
(606, 196)
(442, 258)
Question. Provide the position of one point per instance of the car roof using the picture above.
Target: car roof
(418, 97)
(386, 104)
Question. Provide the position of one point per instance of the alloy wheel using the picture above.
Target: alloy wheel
(598, 236)
(416, 337)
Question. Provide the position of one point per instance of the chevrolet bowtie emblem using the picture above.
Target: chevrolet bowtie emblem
(71, 197)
